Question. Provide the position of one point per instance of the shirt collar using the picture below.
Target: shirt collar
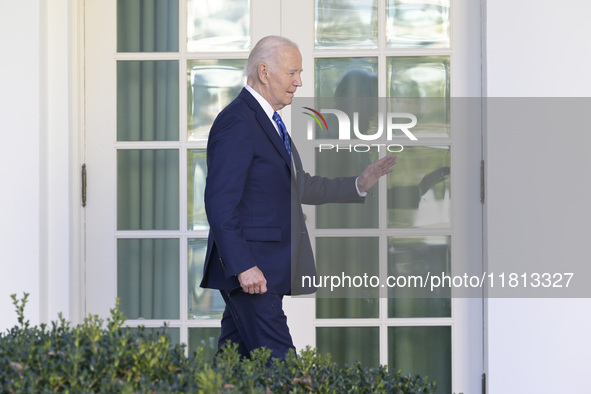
(264, 103)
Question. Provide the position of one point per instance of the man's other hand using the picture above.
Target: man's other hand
(253, 281)
(374, 171)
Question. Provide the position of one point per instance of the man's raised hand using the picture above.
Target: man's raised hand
(374, 171)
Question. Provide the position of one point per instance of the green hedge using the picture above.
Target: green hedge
(99, 356)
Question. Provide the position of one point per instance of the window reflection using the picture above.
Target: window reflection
(212, 84)
(334, 164)
(418, 257)
(422, 349)
(353, 83)
(196, 173)
(349, 344)
(346, 24)
(350, 257)
(419, 193)
(203, 303)
(218, 25)
(421, 86)
(417, 23)
(346, 77)
(415, 76)
(206, 337)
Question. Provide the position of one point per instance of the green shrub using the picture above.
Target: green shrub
(99, 357)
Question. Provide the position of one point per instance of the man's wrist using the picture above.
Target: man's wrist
(361, 194)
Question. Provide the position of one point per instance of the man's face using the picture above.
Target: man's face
(283, 77)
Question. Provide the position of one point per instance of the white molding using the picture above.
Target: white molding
(61, 153)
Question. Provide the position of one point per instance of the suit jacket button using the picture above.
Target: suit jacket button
(305, 217)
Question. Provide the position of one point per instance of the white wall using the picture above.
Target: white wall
(20, 161)
(532, 49)
(36, 159)
(538, 189)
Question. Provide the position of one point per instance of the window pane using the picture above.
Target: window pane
(147, 26)
(196, 173)
(148, 189)
(346, 77)
(419, 193)
(346, 24)
(174, 334)
(418, 76)
(418, 256)
(424, 350)
(211, 85)
(148, 278)
(418, 23)
(206, 337)
(351, 260)
(346, 308)
(148, 100)
(330, 163)
(203, 303)
(218, 25)
(422, 87)
(349, 344)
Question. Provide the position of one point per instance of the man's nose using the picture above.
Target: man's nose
(298, 81)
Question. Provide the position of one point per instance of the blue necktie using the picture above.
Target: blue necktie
(282, 132)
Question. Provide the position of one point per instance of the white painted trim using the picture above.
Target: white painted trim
(61, 153)
(78, 140)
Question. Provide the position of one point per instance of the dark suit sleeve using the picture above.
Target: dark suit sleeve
(320, 190)
(229, 155)
(316, 190)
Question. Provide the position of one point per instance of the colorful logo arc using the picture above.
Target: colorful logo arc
(317, 117)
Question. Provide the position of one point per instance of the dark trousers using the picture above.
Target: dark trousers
(255, 320)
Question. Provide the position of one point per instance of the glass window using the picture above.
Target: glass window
(346, 77)
(419, 189)
(349, 344)
(148, 278)
(174, 334)
(218, 25)
(147, 189)
(346, 24)
(211, 85)
(148, 100)
(346, 260)
(424, 350)
(411, 257)
(417, 23)
(425, 76)
(196, 174)
(334, 164)
(148, 26)
(206, 337)
(203, 303)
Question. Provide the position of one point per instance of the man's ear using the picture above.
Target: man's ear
(263, 70)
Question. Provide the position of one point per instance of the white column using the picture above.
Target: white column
(20, 159)
(537, 209)
(38, 203)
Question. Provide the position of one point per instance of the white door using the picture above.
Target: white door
(157, 74)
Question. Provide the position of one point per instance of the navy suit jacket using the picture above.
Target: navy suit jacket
(253, 198)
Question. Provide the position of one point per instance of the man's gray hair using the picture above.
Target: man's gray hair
(265, 51)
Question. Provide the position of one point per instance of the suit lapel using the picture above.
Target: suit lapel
(266, 125)
(297, 174)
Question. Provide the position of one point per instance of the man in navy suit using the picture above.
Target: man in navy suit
(258, 245)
